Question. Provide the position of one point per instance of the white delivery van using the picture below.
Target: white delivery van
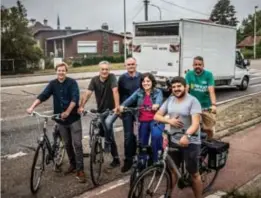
(167, 49)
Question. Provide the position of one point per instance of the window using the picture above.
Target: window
(157, 30)
(86, 47)
(116, 46)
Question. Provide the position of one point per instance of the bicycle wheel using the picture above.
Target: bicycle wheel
(157, 178)
(59, 152)
(134, 174)
(96, 160)
(36, 178)
(208, 176)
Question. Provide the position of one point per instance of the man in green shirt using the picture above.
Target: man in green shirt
(200, 84)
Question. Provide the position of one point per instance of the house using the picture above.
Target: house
(248, 42)
(43, 31)
(91, 42)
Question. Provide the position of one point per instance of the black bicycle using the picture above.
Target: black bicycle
(212, 158)
(143, 157)
(96, 142)
(46, 152)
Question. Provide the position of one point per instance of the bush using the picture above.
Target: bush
(96, 59)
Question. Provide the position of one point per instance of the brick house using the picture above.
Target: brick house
(90, 42)
(248, 42)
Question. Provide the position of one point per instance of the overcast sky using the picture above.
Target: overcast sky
(92, 13)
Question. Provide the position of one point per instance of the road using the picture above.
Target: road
(18, 129)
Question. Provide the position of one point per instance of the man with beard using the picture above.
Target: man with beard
(184, 112)
(200, 83)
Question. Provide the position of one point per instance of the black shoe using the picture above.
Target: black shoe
(115, 163)
(127, 166)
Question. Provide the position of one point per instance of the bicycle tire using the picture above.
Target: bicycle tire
(207, 188)
(33, 188)
(134, 175)
(96, 144)
(62, 152)
(146, 172)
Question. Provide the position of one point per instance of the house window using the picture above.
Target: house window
(116, 46)
(86, 47)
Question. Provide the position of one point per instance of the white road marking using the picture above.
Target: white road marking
(255, 78)
(15, 155)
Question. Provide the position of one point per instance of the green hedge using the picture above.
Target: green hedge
(96, 60)
(249, 54)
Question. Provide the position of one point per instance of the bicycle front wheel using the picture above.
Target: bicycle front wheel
(154, 181)
(37, 168)
(96, 160)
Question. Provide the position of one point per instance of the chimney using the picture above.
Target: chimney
(45, 22)
(68, 30)
(33, 21)
(105, 26)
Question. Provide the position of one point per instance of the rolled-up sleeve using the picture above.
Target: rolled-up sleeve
(47, 92)
(75, 93)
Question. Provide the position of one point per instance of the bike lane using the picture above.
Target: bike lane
(244, 163)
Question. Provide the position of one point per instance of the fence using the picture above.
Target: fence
(13, 66)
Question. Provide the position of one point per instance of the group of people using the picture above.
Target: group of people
(191, 108)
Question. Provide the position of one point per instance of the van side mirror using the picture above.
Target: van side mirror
(246, 62)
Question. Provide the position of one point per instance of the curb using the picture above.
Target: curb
(40, 82)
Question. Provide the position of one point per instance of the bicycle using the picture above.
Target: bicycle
(96, 142)
(143, 157)
(164, 168)
(55, 152)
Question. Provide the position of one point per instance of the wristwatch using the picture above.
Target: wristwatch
(188, 135)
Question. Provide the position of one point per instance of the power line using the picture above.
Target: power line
(141, 8)
(184, 8)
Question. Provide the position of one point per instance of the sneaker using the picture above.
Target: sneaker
(71, 169)
(81, 176)
(115, 163)
(127, 166)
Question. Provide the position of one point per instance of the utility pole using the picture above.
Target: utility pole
(255, 33)
(146, 5)
(125, 50)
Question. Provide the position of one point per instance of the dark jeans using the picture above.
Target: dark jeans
(155, 130)
(130, 142)
(72, 137)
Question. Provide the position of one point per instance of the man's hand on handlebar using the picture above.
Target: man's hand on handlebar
(30, 110)
(80, 110)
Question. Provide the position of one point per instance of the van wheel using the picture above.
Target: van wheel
(244, 84)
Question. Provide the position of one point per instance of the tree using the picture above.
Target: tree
(17, 40)
(247, 26)
(224, 13)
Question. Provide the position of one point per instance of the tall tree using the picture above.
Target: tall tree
(247, 26)
(17, 40)
(224, 13)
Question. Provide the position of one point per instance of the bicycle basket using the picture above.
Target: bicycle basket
(217, 153)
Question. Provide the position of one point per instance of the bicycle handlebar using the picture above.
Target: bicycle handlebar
(53, 117)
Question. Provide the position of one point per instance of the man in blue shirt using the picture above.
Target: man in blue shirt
(128, 83)
(65, 92)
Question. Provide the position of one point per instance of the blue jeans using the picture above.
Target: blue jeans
(109, 133)
(151, 127)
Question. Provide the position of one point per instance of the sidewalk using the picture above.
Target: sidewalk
(25, 80)
(243, 164)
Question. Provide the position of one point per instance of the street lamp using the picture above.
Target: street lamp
(255, 33)
(158, 9)
(124, 8)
